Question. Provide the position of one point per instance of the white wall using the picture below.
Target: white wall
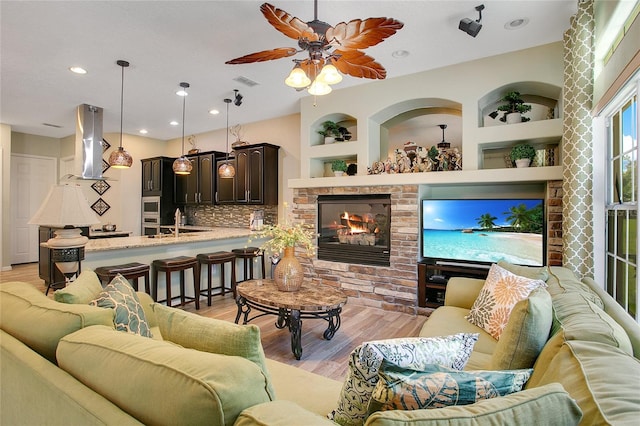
(5, 194)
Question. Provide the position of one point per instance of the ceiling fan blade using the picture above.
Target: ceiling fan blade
(359, 34)
(287, 24)
(265, 55)
(357, 64)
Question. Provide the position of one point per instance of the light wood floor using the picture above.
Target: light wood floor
(326, 357)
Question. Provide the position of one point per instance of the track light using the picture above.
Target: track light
(238, 98)
(470, 26)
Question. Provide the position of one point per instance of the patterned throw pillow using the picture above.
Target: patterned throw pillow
(121, 297)
(415, 352)
(436, 386)
(500, 293)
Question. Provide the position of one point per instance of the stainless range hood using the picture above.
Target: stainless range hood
(88, 145)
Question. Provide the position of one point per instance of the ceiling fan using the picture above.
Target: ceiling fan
(330, 49)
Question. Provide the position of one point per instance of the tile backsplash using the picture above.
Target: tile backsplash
(228, 215)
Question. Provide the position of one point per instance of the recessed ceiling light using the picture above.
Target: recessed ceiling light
(77, 70)
(174, 123)
(143, 131)
(400, 54)
(214, 112)
(516, 24)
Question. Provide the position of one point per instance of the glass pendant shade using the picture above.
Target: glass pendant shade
(297, 78)
(182, 166)
(120, 159)
(226, 170)
(330, 75)
(319, 88)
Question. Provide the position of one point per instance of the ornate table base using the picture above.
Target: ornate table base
(290, 308)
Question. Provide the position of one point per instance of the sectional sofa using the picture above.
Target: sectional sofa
(64, 363)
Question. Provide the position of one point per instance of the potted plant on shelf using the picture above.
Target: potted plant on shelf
(513, 109)
(522, 155)
(330, 131)
(338, 167)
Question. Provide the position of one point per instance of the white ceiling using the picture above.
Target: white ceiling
(167, 42)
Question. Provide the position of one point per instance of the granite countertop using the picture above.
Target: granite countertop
(218, 233)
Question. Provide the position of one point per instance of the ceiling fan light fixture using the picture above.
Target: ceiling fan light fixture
(120, 158)
(319, 88)
(329, 75)
(297, 78)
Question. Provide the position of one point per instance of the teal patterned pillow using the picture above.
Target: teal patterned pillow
(413, 352)
(436, 386)
(121, 297)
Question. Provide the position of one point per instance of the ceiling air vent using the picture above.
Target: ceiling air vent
(52, 125)
(246, 81)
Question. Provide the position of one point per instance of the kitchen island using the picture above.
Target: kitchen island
(146, 249)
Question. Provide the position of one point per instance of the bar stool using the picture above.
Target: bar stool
(217, 258)
(176, 264)
(131, 271)
(247, 255)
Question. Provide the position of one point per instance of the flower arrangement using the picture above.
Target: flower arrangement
(285, 235)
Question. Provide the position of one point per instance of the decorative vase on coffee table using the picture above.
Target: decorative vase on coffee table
(289, 273)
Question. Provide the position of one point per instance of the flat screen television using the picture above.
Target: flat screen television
(484, 231)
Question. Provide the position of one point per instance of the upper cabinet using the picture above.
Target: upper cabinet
(198, 186)
(256, 179)
(157, 176)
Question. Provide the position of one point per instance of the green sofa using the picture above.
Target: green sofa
(65, 363)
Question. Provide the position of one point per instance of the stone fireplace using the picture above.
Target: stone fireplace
(354, 228)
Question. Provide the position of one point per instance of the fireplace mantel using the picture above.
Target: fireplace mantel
(460, 177)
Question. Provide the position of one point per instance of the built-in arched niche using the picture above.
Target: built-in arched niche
(543, 98)
(418, 121)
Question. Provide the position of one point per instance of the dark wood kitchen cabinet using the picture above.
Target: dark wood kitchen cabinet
(157, 176)
(225, 186)
(256, 180)
(198, 186)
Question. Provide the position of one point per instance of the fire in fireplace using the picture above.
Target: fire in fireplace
(354, 228)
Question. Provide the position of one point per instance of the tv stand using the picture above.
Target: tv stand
(433, 279)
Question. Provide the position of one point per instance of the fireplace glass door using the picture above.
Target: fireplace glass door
(354, 228)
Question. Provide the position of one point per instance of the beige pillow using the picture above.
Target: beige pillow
(159, 382)
(81, 291)
(501, 291)
(525, 334)
(212, 335)
(533, 272)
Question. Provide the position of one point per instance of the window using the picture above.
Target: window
(622, 204)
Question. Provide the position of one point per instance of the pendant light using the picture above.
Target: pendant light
(226, 170)
(182, 165)
(120, 158)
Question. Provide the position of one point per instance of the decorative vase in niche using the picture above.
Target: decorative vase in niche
(289, 273)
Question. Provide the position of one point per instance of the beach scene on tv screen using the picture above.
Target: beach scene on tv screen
(484, 230)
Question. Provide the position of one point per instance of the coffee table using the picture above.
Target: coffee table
(314, 301)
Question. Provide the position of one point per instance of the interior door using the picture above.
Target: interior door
(31, 178)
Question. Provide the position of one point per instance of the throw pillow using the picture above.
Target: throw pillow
(436, 386)
(83, 290)
(533, 272)
(211, 335)
(526, 332)
(121, 297)
(501, 291)
(416, 352)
